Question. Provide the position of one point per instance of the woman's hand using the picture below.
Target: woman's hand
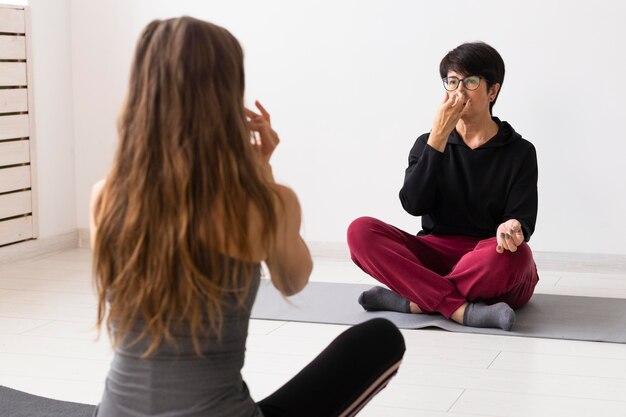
(446, 118)
(509, 236)
(267, 139)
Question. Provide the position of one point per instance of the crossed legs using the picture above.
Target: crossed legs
(461, 277)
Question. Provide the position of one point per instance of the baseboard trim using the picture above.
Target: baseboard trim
(83, 238)
(330, 250)
(580, 262)
(336, 251)
(37, 248)
(546, 261)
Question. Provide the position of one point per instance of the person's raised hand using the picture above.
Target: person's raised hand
(509, 236)
(447, 116)
(265, 139)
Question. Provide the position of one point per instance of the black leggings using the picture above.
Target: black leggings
(344, 377)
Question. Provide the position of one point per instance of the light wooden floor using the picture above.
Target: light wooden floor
(47, 347)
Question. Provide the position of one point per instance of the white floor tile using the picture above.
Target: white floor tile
(522, 382)
(275, 363)
(85, 392)
(582, 284)
(49, 367)
(418, 397)
(587, 280)
(46, 272)
(53, 346)
(547, 279)
(30, 284)
(565, 364)
(66, 311)
(437, 337)
(262, 384)
(449, 356)
(371, 281)
(264, 326)
(310, 330)
(30, 297)
(489, 403)
(583, 291)
(337, 271)
(10, 325)
(85, 330)
(374, 411)
(285, 344)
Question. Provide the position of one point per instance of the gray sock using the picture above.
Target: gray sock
(498, 315)
(382, 299)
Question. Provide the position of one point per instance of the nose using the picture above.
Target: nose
(461, 91)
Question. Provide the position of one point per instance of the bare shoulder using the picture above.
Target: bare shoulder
(288, 199)
(96, 190)
(97, 187)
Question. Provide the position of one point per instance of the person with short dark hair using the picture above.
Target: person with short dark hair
(473, 181)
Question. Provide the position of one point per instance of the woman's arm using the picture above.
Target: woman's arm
(522, 200)
(289, 262)
(418, 193)
(520, 210)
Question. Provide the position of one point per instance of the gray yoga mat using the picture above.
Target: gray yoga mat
(548, 316)
(15, 403)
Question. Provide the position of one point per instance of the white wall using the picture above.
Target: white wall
(351, 84)
(52, 73)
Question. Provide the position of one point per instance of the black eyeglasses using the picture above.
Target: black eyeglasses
(452, 83)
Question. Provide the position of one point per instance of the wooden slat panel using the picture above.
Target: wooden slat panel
(32, 134)
(12, 47)
(16, 178)
(11, 20)
(13, 100)
(15, 230)
(14, 152)
(12, 73)
(14, 127)
(15, 204)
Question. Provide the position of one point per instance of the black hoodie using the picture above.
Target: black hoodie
(471, 192)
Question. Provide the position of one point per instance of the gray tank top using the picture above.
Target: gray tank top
(176, 382)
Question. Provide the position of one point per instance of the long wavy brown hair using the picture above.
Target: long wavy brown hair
(183, 163)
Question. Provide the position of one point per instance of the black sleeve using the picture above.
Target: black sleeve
(420, 178)
(521, 203)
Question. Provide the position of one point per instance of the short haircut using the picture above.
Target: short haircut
(475, 58)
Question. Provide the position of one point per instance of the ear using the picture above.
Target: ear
(494, 89)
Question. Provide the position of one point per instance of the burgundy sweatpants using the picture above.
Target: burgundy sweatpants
(439, 273)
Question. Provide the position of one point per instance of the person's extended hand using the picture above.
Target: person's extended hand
(509, 236)
(446, 118)
(267, 138)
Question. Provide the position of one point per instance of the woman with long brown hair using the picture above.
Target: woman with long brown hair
(179, 229)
